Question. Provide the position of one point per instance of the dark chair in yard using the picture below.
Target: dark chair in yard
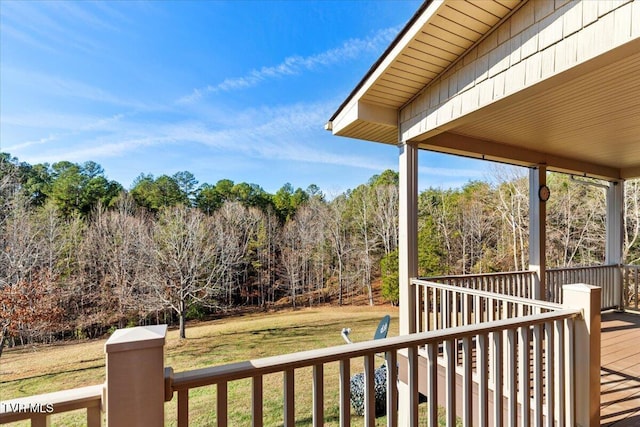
(379, 377)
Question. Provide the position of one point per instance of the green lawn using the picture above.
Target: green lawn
(37, 370)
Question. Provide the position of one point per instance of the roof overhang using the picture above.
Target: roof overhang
(584, 120)
(435, 38)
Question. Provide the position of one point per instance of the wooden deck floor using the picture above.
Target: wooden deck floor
(620, 374)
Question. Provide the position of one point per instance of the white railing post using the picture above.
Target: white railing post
(135, 376)
(586, 363)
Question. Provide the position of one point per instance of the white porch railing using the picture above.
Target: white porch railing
(549, 334)
(441, 306)
(514, 283)
(631, 287)
(518, 349)
(39, 409)
(607, 277)
(521, 283)
(495, 369)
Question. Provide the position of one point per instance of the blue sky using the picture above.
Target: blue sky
(226, 90)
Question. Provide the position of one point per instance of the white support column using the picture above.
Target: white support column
(135, 376)
(407, 268)
(538, 230)
(586, 373)
(408, 236)
(615, 233)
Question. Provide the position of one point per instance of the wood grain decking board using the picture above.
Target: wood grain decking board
(620, 373)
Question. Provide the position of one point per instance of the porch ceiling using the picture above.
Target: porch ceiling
(585, 120)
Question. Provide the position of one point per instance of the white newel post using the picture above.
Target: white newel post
(587, 352)
(135, 376)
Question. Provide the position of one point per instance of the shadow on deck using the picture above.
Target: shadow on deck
(620, 373)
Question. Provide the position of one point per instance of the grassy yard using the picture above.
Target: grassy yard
(37, 370)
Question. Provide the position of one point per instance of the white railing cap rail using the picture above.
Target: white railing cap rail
(257, 367)
(584, 267)
(60, 401)
(470, 276)
(485, 294)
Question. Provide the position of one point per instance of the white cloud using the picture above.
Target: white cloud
(69, 125)
(91, 120)
(293, 65)
(53, 30)
(289, 132)
(469, 173)
(52, 85)
(277, 133)
(60, 121)
(59, 26)
(10, 32)
(79, 13)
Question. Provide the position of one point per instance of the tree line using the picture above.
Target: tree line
(81, 254)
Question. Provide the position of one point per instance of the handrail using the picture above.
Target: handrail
(536, 330)
(612, 278)
(468, 276)
(268, 365)
(484, 294)
(515, 283)
(608, 277)
(42, 406)
(442, 306)
(583, 267)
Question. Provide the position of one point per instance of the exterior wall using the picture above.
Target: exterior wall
(541, 39)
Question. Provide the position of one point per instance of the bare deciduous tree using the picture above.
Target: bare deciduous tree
(631, 252)
(575, 223)
(302, 250)
(234, 229)
(513, 206)
(386, 205)
(186, 263)
(119, 243)
(338, 235)
(264, 261)
(362, 205)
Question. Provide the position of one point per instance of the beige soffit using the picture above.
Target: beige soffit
(437, 35)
